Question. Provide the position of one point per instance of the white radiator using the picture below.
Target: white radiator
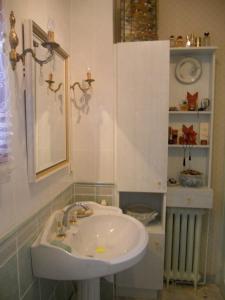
(183, 243)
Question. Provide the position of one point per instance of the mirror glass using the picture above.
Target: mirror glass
(47, 106)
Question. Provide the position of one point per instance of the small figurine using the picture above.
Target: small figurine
(184, 105)
(192, 101)
(188, 41)
(189, 135)
(179, 41)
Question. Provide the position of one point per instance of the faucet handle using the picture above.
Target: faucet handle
(60, 230)
(73, 217)
(83, 205)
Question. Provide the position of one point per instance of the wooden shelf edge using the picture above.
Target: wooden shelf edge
(194, 49)
(155, 228)
(192, 146)
(179, 112)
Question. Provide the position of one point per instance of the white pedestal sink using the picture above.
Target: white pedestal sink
(102, 244)
(89, 289)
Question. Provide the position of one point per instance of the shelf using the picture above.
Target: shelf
(155, 228)
(197, 50)
(192, 146)
(190, 112)
(176, 188)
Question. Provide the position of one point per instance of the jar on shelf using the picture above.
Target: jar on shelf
(198, 41)
(179, 41)
(206, 39)
(172, 41)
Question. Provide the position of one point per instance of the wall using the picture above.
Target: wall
(182, 18)
(92, 45)
(18, 198)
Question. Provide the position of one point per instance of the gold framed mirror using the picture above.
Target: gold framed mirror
(46, 97)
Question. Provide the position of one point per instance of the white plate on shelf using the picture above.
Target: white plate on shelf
(188, 70)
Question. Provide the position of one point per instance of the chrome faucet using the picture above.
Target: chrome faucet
(67, 209)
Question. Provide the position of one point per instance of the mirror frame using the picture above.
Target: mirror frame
(30, 30)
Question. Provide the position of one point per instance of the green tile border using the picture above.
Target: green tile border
(7, 249)
(90, 191)
(15, 247)
(10, 242)
(9, 285)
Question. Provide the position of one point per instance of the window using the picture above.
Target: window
(4, 99)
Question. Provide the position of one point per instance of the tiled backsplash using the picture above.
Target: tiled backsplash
(16, 278)
(94, 192)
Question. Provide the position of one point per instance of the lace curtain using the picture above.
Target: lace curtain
(4, 104)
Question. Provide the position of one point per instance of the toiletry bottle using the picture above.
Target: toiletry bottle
(206, 39)
(172, 41)
(192, 40)
(103, 202)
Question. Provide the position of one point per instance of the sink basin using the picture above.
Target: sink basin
(102, 244)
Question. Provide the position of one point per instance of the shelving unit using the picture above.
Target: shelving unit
(188, 208)
(201, 155)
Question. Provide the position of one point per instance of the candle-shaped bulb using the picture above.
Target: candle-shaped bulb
(88, 74)
(51, 28)
(50, 77)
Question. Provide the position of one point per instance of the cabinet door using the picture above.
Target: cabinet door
(142, 116)
(148, 273)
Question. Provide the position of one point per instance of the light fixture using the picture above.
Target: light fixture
(82, 104)
(89, 80)
(15, 57)
(50, 82)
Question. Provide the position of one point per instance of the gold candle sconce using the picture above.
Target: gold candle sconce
(82, 104)
(89, 80)
(15, 57)
(50, 82)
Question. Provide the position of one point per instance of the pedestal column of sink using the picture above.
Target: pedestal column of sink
(89, 289)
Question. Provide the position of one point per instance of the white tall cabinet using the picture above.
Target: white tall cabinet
(141, 151)
(142, 116)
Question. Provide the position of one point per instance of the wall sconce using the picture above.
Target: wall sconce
(15, 57)
(50, 82)
(82, 104)
(89, 80)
